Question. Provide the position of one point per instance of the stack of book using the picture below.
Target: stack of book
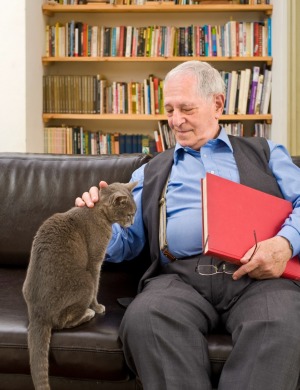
(92, 94)
(77, 140)
(233, 39)
(248, 91)
(164, 137)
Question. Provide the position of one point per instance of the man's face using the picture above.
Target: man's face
(193, 119)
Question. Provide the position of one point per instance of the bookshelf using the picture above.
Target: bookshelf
(145, 117)
(125, 68)
(49, 60)
(155, 7)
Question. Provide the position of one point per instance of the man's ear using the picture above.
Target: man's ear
(219, 104)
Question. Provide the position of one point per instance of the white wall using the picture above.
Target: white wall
(279, 103)
(22, 33)
(12, 77)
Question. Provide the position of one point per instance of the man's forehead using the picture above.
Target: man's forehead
(179, 103)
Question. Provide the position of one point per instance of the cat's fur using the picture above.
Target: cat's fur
(63, 275)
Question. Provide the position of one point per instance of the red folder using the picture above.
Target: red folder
(232, 212)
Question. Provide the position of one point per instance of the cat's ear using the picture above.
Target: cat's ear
(131, 185)
(119, 199)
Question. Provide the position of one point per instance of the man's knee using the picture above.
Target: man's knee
(136, 320)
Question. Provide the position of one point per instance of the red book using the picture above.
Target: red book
(121, 42)
(84, 39)
(159, 147)
(255, 38)
(232, 212)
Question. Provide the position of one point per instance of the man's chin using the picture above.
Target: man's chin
(183, 138)
(185, 141)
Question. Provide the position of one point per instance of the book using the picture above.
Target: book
(266, 93)
(158, 142)
(241, 92)
(228, 89)
(255, 77)
(128, 42)
(258, 94)
(233, 90)
(162, 138)
(245, 91)
(233, 214)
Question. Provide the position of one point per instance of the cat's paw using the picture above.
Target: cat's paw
(89, 314)
(71, 322)
(98, 308)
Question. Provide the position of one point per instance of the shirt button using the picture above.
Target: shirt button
(213, 172)
(204, 155)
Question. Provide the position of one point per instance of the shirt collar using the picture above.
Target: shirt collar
(179, 150)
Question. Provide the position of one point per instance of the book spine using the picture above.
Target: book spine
(254, 84)
(158, 142)
(162, 138)
(255, 39)
(267, 94)
(258, 94)
(269, 37)
(228, 92)
(128, 41)
(246, 91)
(233, 90)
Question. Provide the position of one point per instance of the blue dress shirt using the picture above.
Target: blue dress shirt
(184, 199)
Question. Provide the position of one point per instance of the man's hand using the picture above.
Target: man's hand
(91, 197)
(269, 260)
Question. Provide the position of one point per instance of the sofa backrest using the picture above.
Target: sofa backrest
(35, 186)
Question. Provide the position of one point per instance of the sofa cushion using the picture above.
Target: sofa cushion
(89, 351)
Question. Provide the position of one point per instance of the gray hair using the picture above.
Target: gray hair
(209, 80)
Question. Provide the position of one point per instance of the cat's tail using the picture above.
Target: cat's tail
(39, 336)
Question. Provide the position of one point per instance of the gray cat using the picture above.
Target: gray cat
(63, 276)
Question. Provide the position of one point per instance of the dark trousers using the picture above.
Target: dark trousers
(163, 330)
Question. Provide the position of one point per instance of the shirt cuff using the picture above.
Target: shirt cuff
(292, 236)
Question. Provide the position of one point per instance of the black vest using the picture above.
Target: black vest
(251, 155)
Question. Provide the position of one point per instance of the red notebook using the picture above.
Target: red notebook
(232, 212)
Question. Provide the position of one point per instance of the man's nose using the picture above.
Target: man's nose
(178, 118)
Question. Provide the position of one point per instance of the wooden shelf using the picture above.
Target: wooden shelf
(51, 60)
(247, 117)
(136, 117)
(133, 117)
(154, 7)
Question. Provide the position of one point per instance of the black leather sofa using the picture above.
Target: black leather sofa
(33, 187)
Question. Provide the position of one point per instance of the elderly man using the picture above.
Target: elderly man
(163, 330)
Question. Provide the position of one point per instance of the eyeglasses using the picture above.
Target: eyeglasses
(256, 246)
(209, 270)
(226, 268)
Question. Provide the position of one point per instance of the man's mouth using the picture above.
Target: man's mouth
(182, 131)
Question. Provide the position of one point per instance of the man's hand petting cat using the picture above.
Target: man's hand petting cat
(91, 197)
